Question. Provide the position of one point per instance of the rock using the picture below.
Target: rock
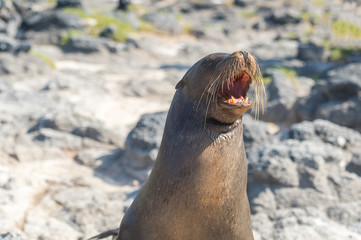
(335, 134)
(261, 197)
(13, 235)
(347, 185)
(310, 52)
(13, 46)
(166, 22)
(50, 127)
(343, 113)
(347, 214)
(7, 44)
(143, 142)
(255, 133)
(83, 44)
(311, 223)
(272, 50)
(240, 3)
(45, 21)
(285, 15)
(274, 166)
(90, 157)
(281, 98)
(147, 86)
(13, 24)
(336, 99)
(97, 133)
(325, 131)
(315, 69)
(108, 32)
(123, 4)
(68, 4)
(355, 164)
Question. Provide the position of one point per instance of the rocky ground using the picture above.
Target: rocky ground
(84, 93)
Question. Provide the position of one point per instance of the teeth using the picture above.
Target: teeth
(233, 100)
(246, 100)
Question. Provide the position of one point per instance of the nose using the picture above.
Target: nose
(245, 56)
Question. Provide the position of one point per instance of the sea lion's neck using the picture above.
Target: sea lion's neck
(199, 144)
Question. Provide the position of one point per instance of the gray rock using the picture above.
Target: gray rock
(108, 32)
(322, 130)
(287, 198)
(45, 21)
(289, 15)
(281, 98)
(13, 235)
(261, 197)
(346, 113)
(13, 24)
(241, 3)
(68, 4)
(274, 166)
(347, 185)
(274, 50)
(336, 99)
(62, 140)
(123, 4)
(27, 64)
(143, 142)
(315, 69)
(335, 134)
(300, 224)
(83, 44)
(255, 133)
(97, 133)
(7, 44)
(166, 22)
(355, 164)
(310, 52)
(91, 157)
(13, 46)
(346, 214)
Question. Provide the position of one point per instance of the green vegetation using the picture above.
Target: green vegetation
(146, 26)
(338, 54)
(267, 80)
(292, 35)
(136, 8)
(179, 16)
(248, 14)
(319, 3)
(290, 74)
(342, 53)
(44, 57)
(311, 18)
(65, 37)
(78, 12)
(187, 28)
(344, 29)
(294, 2)
(310, 30)
(101, 22)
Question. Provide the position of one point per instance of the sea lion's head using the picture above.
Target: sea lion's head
(220, 82)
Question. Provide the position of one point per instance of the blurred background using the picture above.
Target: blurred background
(84, 92)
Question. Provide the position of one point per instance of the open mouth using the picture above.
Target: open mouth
(234, 90)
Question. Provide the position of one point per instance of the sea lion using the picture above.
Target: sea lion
(197, 188)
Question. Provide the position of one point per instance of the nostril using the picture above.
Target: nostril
(245, 56)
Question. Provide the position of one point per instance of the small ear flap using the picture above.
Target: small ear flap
(180, 84)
